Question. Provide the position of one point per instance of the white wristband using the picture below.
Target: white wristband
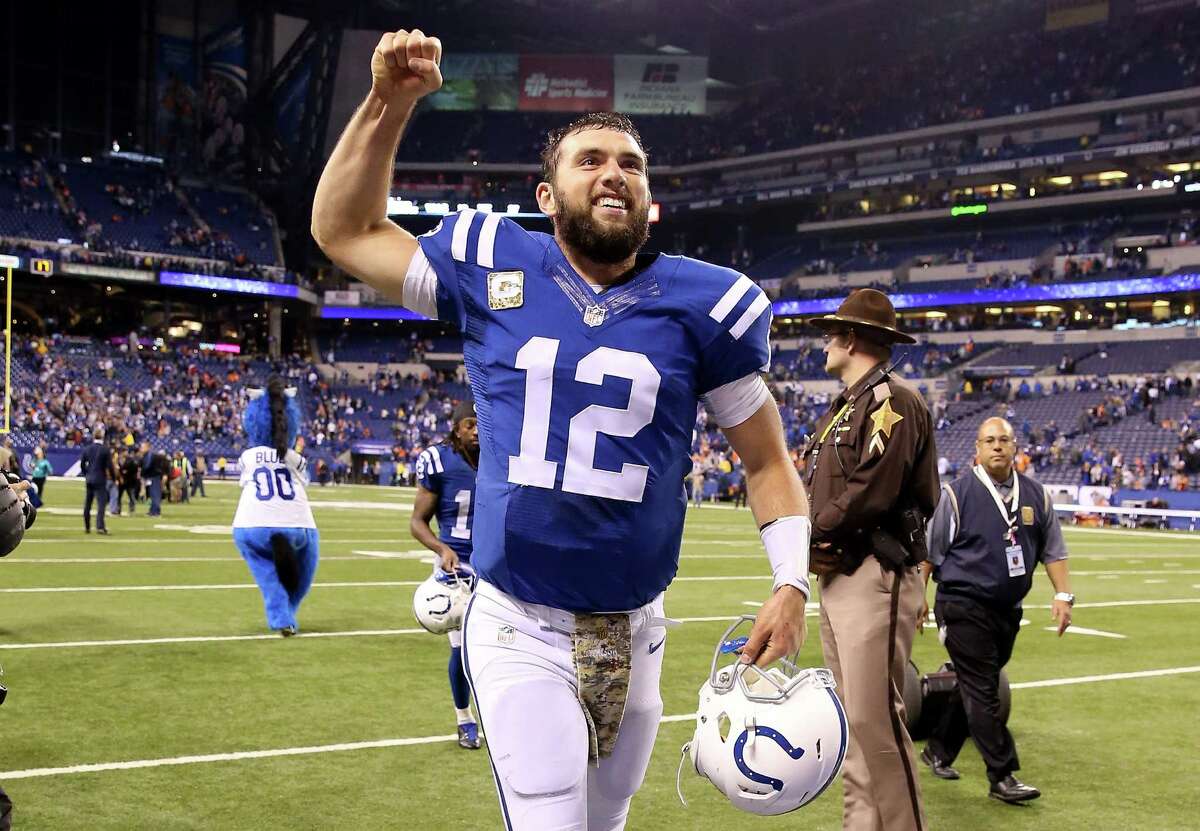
(786, 541)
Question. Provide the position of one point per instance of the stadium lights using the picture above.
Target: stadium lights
(1110, 175)
(968, 210)
(1192, 187)
(1180, 167)
(1047, 310)
(85, 159)
(484, 207)
(935, 315)
(397, 206)
(513, 208)
(1061, 181)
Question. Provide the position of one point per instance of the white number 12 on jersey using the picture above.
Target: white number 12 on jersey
(532, 467)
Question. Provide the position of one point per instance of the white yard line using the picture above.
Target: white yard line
(43, 561)
(361, 633)
(1083, 630)
(813, 610)
(337, 585)
(1108, 604)
(357, 584)
(1125, 532)
(196, 538)
(101, 767)
(1092, 679)
(354, 633)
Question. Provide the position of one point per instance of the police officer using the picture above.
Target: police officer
(872, 476)
(992, 527)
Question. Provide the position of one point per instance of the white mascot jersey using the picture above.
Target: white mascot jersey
(273, 494)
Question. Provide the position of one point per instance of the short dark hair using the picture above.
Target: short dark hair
(591, 121)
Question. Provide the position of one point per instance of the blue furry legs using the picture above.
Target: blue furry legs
(280, 602)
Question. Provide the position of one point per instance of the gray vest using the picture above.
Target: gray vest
(976, 565)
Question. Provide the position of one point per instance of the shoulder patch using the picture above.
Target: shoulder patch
(883, 391)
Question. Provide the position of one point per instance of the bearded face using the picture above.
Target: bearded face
(608, 229)
(599, 197)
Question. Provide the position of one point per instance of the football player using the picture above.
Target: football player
(587, 360)
(446, 489)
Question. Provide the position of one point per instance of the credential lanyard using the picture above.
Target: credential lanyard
(1010, 517)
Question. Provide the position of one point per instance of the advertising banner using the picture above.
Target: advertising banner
(1067, 14)
(134, 275)
(175, 91)
(482, 81)
(565, 83)
(660, 84)
(342, 298)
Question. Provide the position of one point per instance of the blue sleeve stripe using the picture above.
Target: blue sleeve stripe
(462, 227)
(752, 313)
(487, 240)
(731, 298)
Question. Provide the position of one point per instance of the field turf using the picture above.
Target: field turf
(146, 692)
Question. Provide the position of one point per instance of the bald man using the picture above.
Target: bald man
(991, 528)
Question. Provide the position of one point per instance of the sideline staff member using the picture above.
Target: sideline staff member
(992, 527)
(872, 476)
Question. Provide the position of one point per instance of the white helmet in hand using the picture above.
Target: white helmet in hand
(440, 602)
(771, 740)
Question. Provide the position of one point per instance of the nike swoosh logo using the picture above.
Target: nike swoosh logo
(654, 646)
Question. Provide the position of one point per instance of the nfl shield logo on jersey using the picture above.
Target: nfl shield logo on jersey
(594, 315)
(506, 289)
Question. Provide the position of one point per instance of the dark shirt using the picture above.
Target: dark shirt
(95, 463)
(871, 455)
(129, 472)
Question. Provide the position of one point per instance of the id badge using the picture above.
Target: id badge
(1016, 560)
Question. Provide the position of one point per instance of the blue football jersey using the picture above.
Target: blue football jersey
(586, 404)
(441, 470)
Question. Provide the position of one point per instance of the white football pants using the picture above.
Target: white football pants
(518, 659)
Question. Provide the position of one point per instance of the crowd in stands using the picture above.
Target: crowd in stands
(885, 86)
(1137, 434)
(132, 217)
(1134, 433)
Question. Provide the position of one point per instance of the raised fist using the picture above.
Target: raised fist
(404, 66)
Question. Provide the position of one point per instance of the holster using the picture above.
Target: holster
(897, 546)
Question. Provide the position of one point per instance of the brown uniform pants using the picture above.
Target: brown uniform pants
(866, 635)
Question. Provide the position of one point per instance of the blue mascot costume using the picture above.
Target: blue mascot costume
(274, 528)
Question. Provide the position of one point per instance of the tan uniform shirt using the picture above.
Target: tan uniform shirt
(872, 453)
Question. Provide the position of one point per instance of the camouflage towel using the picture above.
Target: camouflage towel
(603, 657)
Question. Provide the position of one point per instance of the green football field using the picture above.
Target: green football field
(146, 693)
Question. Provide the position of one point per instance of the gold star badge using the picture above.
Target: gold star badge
(884, 419)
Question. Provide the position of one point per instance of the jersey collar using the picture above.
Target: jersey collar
(638, 285)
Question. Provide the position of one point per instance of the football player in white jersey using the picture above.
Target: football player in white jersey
(273, 527)
(587, 361)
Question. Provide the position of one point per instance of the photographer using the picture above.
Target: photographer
(17, 513)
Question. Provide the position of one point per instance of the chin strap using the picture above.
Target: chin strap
(679, 773)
